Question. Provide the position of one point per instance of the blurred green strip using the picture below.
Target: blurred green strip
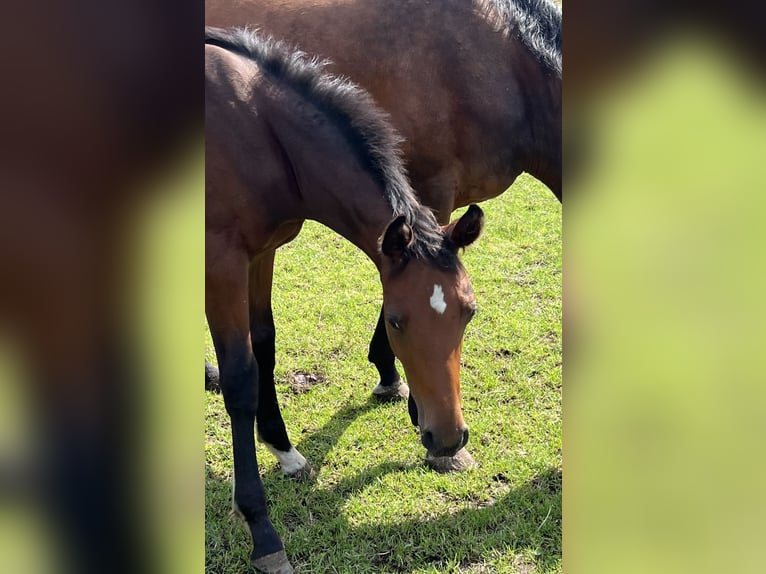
(664, 314)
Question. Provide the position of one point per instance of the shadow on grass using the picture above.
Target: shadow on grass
(525, 519)
(317, 445)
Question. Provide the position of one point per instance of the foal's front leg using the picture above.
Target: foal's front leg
(227, 314)
(271, 426)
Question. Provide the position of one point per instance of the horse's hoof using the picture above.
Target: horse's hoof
(236, 513)
(399, 391)
(458, 463)
(212, 378)
(276, 563)
(306, 472)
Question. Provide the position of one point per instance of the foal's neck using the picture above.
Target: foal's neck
(342, 183)
(339, 192)
(353, 206)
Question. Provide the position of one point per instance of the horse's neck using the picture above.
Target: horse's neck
(323, 177)
(337, 192)
(350, 205)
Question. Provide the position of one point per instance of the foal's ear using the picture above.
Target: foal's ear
(396, 238)
(467, 229)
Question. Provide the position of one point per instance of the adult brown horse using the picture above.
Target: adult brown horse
(474, 86)
(286, 142)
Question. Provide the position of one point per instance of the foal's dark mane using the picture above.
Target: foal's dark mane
(536, 22)
(363, 123)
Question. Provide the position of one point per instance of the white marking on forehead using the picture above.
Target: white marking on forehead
(437, 300)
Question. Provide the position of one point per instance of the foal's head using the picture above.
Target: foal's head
(427, 303)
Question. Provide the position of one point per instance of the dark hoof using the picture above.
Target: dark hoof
(212, 378)
(276, 563)
(458, 463)
(399, 391)
(305, 473)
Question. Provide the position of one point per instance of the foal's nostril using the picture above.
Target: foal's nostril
(427, 438)
(465, 438)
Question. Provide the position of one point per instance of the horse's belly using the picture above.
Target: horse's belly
(483, 190)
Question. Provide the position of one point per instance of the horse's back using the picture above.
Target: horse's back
(454, 85)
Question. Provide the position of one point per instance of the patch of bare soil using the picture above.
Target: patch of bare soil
(301, 381)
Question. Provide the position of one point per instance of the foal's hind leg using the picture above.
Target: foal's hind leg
(271, 427)
(227, 314)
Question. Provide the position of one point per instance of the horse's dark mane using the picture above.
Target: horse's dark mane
(364, 124)
(536, 22)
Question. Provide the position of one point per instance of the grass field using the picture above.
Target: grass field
(374, 506)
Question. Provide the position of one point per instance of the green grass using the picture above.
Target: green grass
(374, 506)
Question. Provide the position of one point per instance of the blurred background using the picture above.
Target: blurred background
(665, 131)
(101, 287)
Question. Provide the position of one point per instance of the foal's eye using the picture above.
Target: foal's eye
(394, 322)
